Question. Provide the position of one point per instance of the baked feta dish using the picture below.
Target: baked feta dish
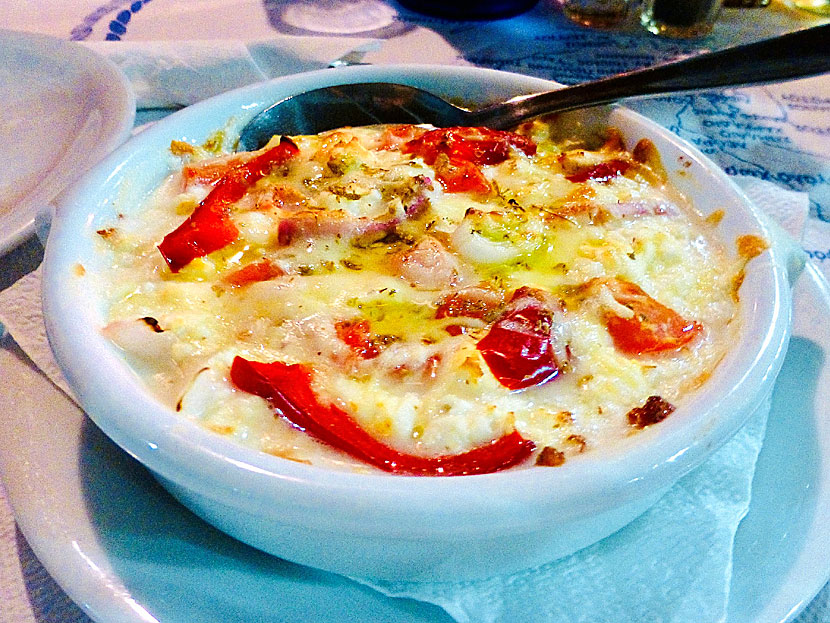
(423, 301)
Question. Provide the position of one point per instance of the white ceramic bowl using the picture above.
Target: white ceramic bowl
(386, 526)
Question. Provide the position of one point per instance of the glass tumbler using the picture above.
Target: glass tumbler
(680, 18)
(596, 13)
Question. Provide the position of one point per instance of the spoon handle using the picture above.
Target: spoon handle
(794, 55)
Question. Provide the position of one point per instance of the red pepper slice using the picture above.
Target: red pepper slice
(518, 349)
(209, 171)
(458, 152)
(459, 176)
(652, 328)
(263, 270)
(288, 390)
(603, 172)
(476, 145)
(209, 227)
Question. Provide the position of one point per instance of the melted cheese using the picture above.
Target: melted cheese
(429, 391)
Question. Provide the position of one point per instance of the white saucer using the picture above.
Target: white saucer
(126, 552)
(64, 108)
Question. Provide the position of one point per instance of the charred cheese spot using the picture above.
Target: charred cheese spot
(715, 217)
(550, 457)
(750, 246)
(654, 410)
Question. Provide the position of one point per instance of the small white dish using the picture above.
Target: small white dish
(124, 550)
(383, 526)
(64, 108)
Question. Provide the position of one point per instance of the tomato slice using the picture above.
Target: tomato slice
(357, 335)
(209, 227)
(288, 390)
(519, 348)
(652, 328)
(603, 172)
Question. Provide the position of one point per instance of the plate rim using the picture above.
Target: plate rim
(27, 217)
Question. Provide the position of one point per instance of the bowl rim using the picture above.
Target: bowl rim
(185, 453)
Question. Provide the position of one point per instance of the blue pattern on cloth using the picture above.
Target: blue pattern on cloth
(117, 27)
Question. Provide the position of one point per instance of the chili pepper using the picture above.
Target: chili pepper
(209, 228)
(288, 390)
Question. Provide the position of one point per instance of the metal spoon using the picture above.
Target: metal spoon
(795, 55)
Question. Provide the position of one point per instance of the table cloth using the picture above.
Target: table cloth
(778, 133)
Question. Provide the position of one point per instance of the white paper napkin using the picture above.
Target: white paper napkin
(672, 564)
(170, 74)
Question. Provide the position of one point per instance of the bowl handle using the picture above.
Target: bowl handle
(794, 256)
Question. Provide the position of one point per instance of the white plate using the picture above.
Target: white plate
(123, 549)
(64, 108)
